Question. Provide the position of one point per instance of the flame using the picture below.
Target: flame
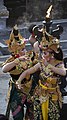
(48, 11)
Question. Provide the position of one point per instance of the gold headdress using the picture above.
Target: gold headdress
(48, 41)
(16, 41)
(15, 27)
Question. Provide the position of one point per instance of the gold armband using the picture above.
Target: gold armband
(16, 61)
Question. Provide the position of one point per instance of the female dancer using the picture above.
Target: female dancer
(47, 98)
(15, 65)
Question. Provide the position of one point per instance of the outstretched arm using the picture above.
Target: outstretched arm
(9, 65)
(59, 70)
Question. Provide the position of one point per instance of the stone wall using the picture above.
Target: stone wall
(21, 11)
(4, 14)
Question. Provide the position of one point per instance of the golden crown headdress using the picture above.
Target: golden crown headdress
(15, 42)
(48, 41)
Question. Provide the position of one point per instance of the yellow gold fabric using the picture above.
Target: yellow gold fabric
(44, 107)
(15, 72)
(52, 80)
(54, 97)
(26, 87)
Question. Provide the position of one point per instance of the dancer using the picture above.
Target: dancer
(47, 98)
(15, 65)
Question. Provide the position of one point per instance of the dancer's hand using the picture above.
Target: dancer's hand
(23, 58)
(18, 84)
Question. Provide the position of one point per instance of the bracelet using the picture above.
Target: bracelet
(18, 81)
(16, 61)
(49, 66)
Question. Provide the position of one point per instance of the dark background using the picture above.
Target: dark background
(34, 10)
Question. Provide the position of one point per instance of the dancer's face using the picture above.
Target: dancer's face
(47, 53)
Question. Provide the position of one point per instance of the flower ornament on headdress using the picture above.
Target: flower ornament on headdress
(16, 42)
